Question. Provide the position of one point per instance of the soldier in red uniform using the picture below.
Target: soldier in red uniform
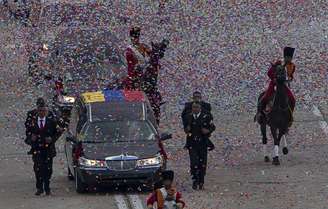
(137, 58)
(290, 69)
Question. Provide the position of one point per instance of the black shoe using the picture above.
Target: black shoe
(194, 185)
(48, 193)
(266, 159)
(38, 193)
(201, 186)
(275, 161)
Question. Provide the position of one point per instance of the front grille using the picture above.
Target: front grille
(121, 165)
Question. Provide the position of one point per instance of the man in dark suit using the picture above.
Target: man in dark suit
(198, 127)
(42, 134)
(206, 107)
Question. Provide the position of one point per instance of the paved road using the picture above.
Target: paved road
(237, 176)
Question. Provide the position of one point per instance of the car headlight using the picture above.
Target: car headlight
(68, 99)
(149, 162)
(92, 163)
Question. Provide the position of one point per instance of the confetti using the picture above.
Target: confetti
(222, 48)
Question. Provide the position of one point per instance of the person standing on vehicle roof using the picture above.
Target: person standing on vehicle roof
(137, 55)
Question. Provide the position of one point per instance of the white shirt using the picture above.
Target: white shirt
(196, 116)
(43, 121)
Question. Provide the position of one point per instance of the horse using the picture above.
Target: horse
(278, 118)
(149, 77)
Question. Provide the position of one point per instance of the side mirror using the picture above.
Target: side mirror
(165, 136)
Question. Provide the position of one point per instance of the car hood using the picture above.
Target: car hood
(101, 151)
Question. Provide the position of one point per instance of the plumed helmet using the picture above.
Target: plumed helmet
(289, 52)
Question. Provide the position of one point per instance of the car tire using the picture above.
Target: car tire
(69, 174)
(80, 187)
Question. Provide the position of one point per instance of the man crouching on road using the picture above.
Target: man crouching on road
(166, 197)
(42, 134)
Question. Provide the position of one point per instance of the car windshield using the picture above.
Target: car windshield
(117, 110)
(118, 131)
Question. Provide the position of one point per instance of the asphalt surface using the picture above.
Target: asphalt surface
(237, 175)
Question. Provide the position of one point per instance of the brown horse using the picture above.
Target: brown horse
(278, 118)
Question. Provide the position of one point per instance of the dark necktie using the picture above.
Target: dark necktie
(41, 124)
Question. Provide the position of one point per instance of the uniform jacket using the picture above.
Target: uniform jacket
(206, 107)
(205, 120)
(135, 57)
(290, 69)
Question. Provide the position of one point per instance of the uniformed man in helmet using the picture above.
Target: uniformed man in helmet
(290, 69)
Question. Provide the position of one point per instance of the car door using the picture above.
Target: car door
(71, 133)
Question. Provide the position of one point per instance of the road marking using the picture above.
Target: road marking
(120, 202)
(323, 124)
(135, 202)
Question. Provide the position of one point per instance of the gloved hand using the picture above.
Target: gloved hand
(210, 148)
